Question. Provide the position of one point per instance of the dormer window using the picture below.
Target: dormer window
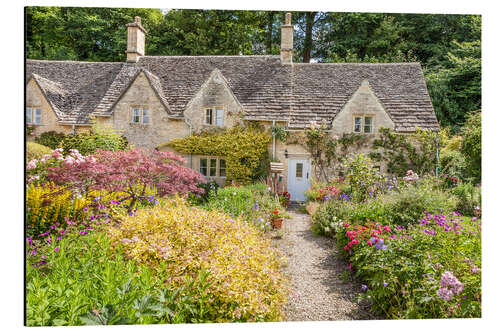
(140, 115)
(363, 124)
(214, 116)
(33, 116)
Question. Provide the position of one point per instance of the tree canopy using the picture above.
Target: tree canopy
(447, 46)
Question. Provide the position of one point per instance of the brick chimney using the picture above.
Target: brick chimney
(136, 36)
(287, 40)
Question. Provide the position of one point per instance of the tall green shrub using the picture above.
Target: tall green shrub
(471, 145)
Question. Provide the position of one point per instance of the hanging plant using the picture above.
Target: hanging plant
(280, 133)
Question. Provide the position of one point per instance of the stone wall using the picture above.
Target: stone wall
(36, 99)
(363, 102)
(160, 128)
(214, 93)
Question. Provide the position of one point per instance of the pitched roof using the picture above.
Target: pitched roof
(321, 90)
(266, 89)
(73, 88)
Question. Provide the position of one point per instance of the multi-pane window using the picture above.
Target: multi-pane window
(140, 115)
(222, 168)
(203, 166)
(363, 124)
(357, 124)
(213, 167)
(298, 170)
(214, 117)
(368, 124)
(218, 117)
(33, 115)
(208, 116)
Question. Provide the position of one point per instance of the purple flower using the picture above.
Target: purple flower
(255, 206)
(83, 232)
(363, 287)
(56, 249)
(85, 209)
(59, 238)
(445, 293)
(385, 284)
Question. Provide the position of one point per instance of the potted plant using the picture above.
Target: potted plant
(277, 218)
(285, 199)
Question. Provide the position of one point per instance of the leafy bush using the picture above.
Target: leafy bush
(46, 204)
(74, 281)
(253, 203)
(453, 164)
(243, 148)
(245, 277)
(100, 137)
(51, 139)
(321, 192)
(35, 151)
(364, 180)
(430, 270)
(471, 145)
(403, 206)
(130, 172)
(469, 198)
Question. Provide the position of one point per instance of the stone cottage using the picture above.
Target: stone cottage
(153, 99)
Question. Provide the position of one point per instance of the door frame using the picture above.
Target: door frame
(292, 179)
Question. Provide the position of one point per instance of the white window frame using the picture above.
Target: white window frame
(363, 123)
(140, 115)
(35, 117)
(219, 117)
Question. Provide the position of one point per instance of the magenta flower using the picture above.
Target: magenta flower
(56, 249)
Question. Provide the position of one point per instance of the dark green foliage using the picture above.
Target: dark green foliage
(453, 164)
(403, 152)
(98, 287)
(50, 139)
(471, 146)
(469, 197)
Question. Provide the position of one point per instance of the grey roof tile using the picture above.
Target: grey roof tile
(266, 89)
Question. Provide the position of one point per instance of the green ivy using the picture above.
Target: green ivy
(244, 147)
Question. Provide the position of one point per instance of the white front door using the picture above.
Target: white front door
(299, 178)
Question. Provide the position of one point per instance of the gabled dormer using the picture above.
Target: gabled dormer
(214, 105)
(363, 113)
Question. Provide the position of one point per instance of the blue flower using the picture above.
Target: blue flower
(385, 284)
(255, 206)
(326, 198)
(364, 287)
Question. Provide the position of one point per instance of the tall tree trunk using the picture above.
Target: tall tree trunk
(308, 39)
(269, 39)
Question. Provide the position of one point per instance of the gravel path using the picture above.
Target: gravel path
(319, 292)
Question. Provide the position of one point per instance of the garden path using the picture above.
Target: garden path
(319, 290)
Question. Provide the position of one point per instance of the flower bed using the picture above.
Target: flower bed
(245, 276)
(428, 270)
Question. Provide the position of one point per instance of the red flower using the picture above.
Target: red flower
(346, 248)
(349, 244)
(355, 241)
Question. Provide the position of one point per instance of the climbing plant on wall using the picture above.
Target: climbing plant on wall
(403, 152)
(242, 146)
(328, 152)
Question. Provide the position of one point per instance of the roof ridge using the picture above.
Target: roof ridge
(76, 61)
(358, 63)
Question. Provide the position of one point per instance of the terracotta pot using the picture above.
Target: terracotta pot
(277, 223)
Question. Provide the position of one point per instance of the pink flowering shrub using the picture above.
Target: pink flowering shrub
(130, 172)
(428, 270)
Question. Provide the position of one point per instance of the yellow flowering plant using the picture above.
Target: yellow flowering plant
(244, 269)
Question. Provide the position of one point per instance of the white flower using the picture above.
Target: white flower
(31, 165)
(327, 229)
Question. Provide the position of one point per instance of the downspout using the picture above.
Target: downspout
(74, 128)
(190, 133)
(274, 140)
